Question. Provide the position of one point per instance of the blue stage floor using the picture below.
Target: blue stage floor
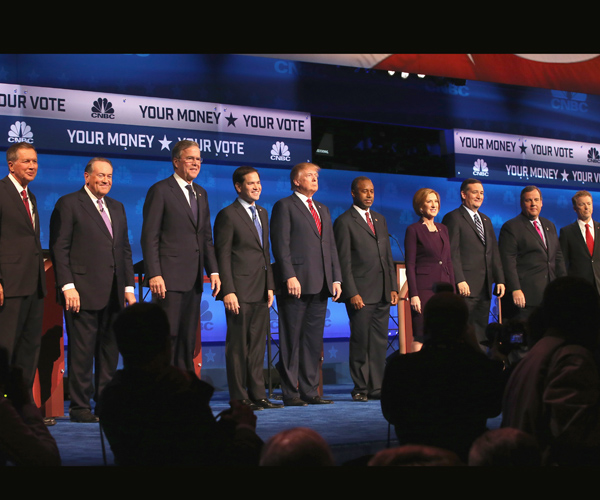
(352, 429)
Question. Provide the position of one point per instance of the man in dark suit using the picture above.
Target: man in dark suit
(244, 259)
(475, 256)
(370, 287)
(22, 276)
(577, 241)
(308, 271)
(89, 245)
(531, 256)
(177, 246)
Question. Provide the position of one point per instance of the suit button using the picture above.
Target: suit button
(440, 262)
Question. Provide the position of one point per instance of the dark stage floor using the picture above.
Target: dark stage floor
(352, 429)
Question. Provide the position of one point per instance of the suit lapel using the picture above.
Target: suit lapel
(183, 200)
(247, 221)
(88, 206)
(306, 213)
(362, 223)
(16, 198)
(467, 216)
(529, 227)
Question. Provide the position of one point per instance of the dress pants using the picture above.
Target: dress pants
(245, 351)
(92, 354)
(479, 311)
(21, 320)
(183, 311)
(368, 346)
(301, 324)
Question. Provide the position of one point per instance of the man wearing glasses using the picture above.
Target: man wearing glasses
(177, 247)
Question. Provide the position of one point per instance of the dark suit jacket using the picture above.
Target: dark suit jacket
(299, 250)
(473, 261)
(527, 264)
(84, 253)
(365, 259)
(578, 261)
(425, 266)
(173, 245)
(21, 257)
(244, 264)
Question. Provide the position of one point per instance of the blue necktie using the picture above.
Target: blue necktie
(256, 223)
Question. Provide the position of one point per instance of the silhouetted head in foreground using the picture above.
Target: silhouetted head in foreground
(297, 447)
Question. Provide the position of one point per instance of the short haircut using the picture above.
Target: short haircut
(89, 168)
(420, 197)
(12, 153)
(357, 180)
(181, 146)
(528, 189)
(241, 172)
(296, 169)
(464, 186)
(580, 194)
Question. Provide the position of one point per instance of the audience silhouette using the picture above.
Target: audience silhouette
(415, 455)
(296, 447)
(505, 447)
(155, 414)
(24, 438)
(553, 393)
(443, 394)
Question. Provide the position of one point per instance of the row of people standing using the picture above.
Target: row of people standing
(463, 252)
(314, 259)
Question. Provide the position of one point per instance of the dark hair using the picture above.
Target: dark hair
(355, 182)
(89, 168)
(241, 172)
(528, 189)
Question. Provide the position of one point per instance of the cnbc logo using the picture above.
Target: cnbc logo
(103, 108)
(280, 152)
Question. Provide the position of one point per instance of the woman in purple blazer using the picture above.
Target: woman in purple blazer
(428, 257)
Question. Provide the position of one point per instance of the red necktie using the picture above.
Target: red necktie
(370, 222)
(26, 203)
(589, 239)
(537, 226)
(314, 214)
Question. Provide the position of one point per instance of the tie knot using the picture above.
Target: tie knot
(24, 194)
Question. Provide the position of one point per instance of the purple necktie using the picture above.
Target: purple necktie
(105, 216)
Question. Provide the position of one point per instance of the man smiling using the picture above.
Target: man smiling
(90, 249)
(22, 278)
(177, 245)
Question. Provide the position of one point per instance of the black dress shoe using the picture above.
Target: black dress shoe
(49, 421)
(294, 402)
(83, 416)
(265, 403)
(317, 400)
(359, 397)
(252, 406)
(374, 395)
